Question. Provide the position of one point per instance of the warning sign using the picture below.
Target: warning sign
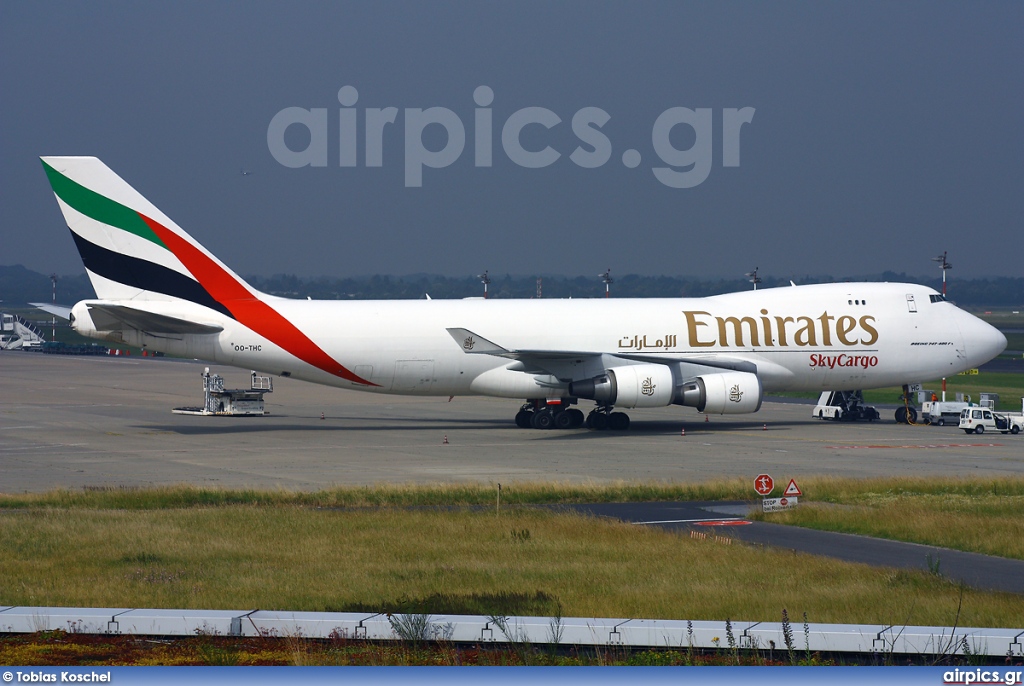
(778, 504)
(764, 484)
(792, 488)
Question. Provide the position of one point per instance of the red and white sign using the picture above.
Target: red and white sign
(778, 504)
(764, 484)
(792, 488)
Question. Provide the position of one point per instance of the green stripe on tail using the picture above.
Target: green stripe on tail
(98, 207)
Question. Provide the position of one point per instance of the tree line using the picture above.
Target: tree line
(19, 285)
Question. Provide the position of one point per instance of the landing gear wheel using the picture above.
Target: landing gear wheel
(901, 415)
(577, 418)
(598, 421)
(523, 418)
(542, 420)
(979, 429)
(563, 420)
(618, 421)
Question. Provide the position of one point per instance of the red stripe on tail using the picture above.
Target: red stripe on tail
(246, 307)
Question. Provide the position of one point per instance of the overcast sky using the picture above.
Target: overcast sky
(882, 133)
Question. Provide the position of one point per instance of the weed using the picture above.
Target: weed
(555, 628)
(787, 636)
(216, 656)
(731, 639)
(807, 640)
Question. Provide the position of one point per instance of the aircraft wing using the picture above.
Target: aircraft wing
(717, 362)
(115, 317)
(62, 311)
(474, 344)
(551, 361)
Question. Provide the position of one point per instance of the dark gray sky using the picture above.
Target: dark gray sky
(884, 133)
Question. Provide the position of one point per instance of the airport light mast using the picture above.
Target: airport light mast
(943, 265)
(607, 278)
(485, 280)
(753, 278)
(53, 318)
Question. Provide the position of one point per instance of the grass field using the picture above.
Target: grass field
(976, 516)
(192, 548)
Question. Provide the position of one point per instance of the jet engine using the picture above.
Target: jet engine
(725, 393)
(642, 385)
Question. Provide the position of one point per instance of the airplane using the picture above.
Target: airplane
(159, 289)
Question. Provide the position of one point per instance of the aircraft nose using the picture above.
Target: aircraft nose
(982, 340)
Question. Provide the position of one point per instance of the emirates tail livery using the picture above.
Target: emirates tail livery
(159, 289)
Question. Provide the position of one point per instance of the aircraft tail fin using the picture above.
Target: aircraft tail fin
(132, 250)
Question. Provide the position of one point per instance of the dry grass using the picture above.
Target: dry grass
(381, 495)
(245, 556)
(982, 516)
(462, 494)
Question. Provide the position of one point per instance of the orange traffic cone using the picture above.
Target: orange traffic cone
(445, 441)
(683, 432)
(764, 427)
(707, 419)
(321, 415)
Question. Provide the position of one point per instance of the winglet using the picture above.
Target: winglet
(474, 344)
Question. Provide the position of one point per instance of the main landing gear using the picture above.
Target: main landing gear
(537, 414)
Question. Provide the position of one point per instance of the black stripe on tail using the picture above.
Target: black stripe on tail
(143, 274)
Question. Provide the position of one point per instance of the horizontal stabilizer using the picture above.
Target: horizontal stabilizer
(117, 317)
(62, 311)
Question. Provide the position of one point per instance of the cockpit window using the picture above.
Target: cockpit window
(937, 298)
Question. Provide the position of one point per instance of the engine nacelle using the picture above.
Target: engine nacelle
(641, 385)
(725, 393)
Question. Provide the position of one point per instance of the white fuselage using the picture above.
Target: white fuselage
(800, 338)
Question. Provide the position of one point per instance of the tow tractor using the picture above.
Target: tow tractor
(844, 406)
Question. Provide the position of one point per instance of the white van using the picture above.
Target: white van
(977, 420)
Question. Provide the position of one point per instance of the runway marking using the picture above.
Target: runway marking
(41, 447)
(914, 447)
(725, 522)
(706, 521)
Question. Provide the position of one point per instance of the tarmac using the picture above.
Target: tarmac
(78, 422)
